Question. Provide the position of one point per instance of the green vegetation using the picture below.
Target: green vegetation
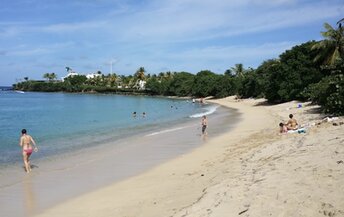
(309, 71)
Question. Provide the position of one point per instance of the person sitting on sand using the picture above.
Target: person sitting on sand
(292, 123)
(283, 128)
(27, 143)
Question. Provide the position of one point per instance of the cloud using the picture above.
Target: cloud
(26, 50)
(173, 21)
(242, 52)
(157, 34)
(214, 58)
(74, 27)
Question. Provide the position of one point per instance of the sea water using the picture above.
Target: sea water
(63, 122)
(87, 141)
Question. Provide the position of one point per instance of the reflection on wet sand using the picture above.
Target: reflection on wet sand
(29, 196)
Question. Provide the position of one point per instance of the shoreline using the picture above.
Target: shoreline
(95, 126)
(138, 187)
(64, 177)
(236, 173)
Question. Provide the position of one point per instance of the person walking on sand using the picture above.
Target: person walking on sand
(204, 123)
(292, 123)
(27, 143)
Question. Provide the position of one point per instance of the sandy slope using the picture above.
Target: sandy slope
(250, 171)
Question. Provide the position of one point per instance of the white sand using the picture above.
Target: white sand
(250, 171)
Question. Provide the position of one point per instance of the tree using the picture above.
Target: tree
(111, 78)
(76, 80)
(68, 69)
(331, 49)
(53, 76)
(329, 92)
(50, 76)
(285, 79)
(181, 84)
(224, 86)
(46, 76)
(161, 75)
(250, 85)
(228, 72)
(238, 70)
(204, 84)
(140, 73)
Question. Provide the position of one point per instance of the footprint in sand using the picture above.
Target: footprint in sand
(328, 209)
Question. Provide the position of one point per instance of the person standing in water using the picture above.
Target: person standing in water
(28, 146)
(204, 123)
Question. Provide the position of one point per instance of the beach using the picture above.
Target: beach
(68, 166)
(250, 171)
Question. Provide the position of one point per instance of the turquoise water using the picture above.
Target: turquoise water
(61, 122)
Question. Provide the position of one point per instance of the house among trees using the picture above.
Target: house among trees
(70, 73)
(93, 75)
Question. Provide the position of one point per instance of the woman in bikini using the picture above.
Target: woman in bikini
(27, 143)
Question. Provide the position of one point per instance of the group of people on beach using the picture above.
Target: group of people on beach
(290, 125)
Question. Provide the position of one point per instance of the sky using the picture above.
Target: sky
(45, 36)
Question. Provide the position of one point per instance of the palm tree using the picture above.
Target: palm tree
(169, 75)
(331, 49)
(238, 70)
(112, 79)
(140, 73)
(50, 76)
(46, 76)
(339, 23)
(68, 69)
(161, 75)
(53, 76)
(228, 72)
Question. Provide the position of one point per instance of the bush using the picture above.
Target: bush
(329, 92)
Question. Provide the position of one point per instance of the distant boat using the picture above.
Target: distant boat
(19, 91)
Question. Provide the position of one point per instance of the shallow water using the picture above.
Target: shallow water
(62, 122)
(92, 157)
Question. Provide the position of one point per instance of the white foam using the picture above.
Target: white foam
(166, 131)
(209, 111)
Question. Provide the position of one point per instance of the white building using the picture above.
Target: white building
(142, 84)
(70, 74)
(93, 75)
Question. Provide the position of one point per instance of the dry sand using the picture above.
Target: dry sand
(249, 171)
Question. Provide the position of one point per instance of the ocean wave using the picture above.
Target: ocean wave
(209, 110)
(166, 131)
